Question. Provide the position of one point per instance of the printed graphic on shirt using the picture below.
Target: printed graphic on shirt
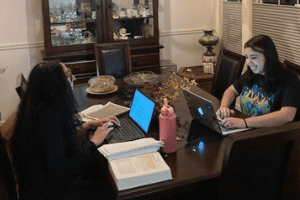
(254, 102)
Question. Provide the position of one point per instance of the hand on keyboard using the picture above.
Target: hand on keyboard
(225, 128)
(111, 125)
(100, 134)
(101, 122)
(231, 122)
(224, 112)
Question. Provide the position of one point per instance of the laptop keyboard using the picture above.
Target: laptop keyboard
(127, 132)
(223, 128)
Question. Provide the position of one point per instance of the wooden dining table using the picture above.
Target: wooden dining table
(199, 154)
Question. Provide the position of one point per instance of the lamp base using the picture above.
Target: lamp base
(208, 68)
(209, 59)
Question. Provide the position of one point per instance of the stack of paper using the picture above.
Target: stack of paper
(136, 163)
(99, 111)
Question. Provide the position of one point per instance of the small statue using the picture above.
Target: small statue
(123, 34)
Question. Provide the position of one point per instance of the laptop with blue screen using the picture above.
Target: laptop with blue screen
(137, 124)
(203, 111)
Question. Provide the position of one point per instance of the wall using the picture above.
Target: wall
(21, 39)
(180, 25)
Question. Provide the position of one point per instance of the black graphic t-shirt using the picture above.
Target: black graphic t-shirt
(255, 101)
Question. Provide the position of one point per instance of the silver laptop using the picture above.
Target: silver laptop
(203, 111)
(137, 124)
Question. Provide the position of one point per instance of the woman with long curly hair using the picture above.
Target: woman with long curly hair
(270, 94)
(50, 160)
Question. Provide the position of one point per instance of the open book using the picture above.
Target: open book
(136, 163)
(99, 111)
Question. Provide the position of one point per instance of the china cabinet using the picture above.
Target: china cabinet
(72, 27)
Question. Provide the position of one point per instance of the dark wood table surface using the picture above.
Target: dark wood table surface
(199, 155)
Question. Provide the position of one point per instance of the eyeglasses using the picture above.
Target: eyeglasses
(70, 75)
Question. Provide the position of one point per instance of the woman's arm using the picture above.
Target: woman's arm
(100, 122)
(228, 97)
(284, 115)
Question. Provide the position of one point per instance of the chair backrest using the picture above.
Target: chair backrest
(113, 59)
(7, 179)
(262, 164)
(292, 66)
(229, 67)
(21, 85)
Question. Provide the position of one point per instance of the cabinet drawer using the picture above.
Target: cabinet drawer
(82, 67)
(144, 60)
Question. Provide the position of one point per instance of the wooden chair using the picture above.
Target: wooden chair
(21, 85)
(8, 189)
(113, 59)
(292, 66)
(262, 165)
(228, 68)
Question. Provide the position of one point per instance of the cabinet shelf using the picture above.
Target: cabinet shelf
(131, 39)
(132, 18)
(73, 22)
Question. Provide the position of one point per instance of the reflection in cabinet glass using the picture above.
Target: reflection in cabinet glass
(132, 19)
(72, 22)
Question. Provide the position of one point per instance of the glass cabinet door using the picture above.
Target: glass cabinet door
(76, 25)
(132, 20)
(72, 22)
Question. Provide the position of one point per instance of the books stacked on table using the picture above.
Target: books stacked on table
(136, 163)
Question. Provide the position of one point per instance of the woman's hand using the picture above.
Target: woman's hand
(101, 133)
(100, 122)
(224, 112)
(232, 122)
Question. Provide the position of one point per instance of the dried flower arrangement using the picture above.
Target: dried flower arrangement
(168, 90)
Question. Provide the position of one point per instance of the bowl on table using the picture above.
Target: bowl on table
(102, 85)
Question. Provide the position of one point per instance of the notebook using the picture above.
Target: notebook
(136, 124)
(203, 111)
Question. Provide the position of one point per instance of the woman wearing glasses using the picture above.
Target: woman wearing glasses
(269, 93)
(50, 160)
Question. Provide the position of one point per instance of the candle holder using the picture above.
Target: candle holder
(209, 40)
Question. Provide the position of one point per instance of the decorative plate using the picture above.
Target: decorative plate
(88, 90)
(139, 78)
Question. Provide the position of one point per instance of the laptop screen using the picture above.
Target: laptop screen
(141, 110)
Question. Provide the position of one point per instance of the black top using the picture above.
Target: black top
(51, 159)
(255, 101)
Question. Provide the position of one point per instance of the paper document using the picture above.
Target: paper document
(99, 111)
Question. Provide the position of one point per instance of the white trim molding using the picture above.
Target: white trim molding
(7, 47)
(181, 32)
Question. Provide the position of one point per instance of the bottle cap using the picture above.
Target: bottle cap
(166, 109)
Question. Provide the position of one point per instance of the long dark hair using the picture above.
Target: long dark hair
(47, 90)
(273, 67)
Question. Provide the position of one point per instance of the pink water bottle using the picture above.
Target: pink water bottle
(167, 127)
